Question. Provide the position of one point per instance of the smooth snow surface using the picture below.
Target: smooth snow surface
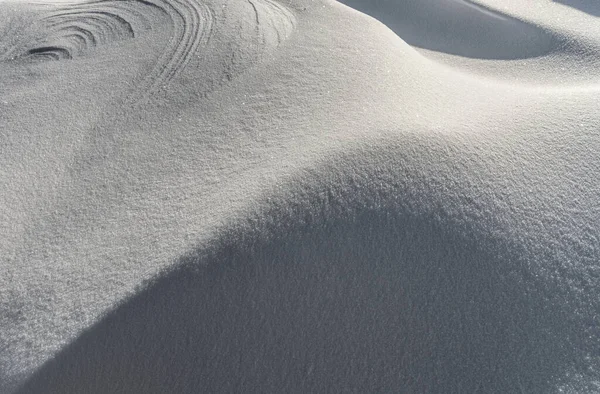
(300, 196)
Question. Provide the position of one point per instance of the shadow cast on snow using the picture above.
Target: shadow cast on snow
(459, 27)
(591, 7)
(357, 305)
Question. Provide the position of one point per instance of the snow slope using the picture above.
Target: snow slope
(294, 196)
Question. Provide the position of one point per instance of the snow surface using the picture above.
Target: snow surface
(397, 196)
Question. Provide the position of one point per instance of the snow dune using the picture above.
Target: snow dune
(460, 27)
(299, 196)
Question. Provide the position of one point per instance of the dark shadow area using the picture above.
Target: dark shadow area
(591, 7)
(458, 27)
(376, 304)
(55, 53)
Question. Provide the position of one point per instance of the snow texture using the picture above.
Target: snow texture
(299, 196)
